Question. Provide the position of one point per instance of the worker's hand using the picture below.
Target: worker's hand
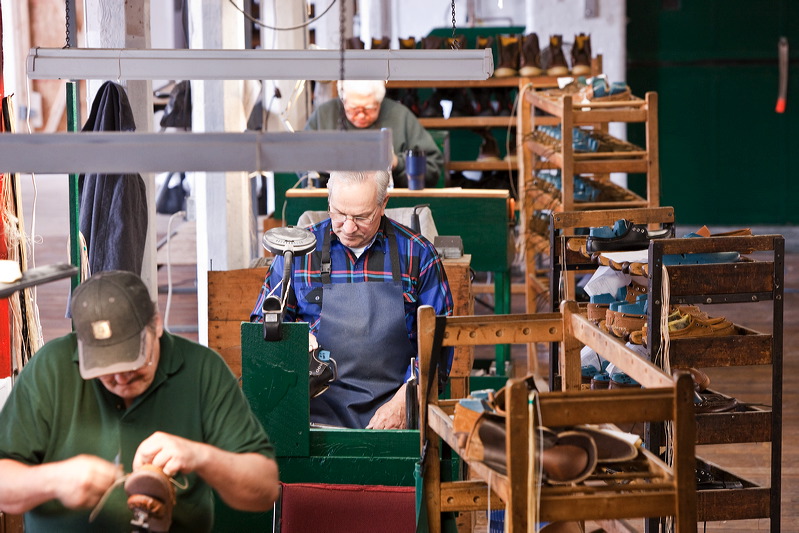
(81, 481)
(390, 415)
(171, 453)
(313, 344)
(394, 161)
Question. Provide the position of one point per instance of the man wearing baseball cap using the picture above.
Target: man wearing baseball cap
(117, 394)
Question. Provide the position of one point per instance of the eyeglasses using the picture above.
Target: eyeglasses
(361, 110)
(341, 218)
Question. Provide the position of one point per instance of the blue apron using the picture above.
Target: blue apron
(363, 326)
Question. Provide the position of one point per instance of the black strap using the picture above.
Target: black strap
(392, 250)
(325, 267)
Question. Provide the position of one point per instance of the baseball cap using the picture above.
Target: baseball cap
(110, 311)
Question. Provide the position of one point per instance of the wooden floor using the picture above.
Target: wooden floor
(748, 384)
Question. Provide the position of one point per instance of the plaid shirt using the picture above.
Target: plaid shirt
(423, 279)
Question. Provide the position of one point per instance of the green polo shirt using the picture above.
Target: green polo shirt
(54, 414)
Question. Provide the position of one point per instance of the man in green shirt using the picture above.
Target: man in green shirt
(365, 107)
(117, 394)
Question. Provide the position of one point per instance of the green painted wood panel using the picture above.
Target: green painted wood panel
(724, 151)
(482, 223)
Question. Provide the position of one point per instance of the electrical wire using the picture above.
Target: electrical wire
(288, 28)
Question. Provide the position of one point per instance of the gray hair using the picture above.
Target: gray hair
(376, 88)
(381, 177)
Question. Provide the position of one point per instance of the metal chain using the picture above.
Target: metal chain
(455, 43)
(66, 16)
(342, 120)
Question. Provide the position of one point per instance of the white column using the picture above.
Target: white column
(126, 24)
(225, 226)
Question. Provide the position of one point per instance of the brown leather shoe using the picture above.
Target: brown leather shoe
(509, 50)
(566, 457)
(151, 497)
(530, 59)
(581, 55)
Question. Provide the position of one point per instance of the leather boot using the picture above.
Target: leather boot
(489, 149)
(581, 55)
(530, 60)
(432, 42)
(462, 102)
(504, 101)
(482, 102)
(407, 44)
(432, 106)
(509, 49)
(552, 58)
(381, 44)
(354, 43)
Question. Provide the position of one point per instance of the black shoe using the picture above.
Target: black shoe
(625, 236)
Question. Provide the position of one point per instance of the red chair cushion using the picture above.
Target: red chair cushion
(307, 507)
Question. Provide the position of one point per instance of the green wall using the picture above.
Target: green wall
(724, 151)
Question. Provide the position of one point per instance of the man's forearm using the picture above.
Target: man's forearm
(23, 487)
(247, 481)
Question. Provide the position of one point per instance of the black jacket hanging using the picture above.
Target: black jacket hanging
(113, 207)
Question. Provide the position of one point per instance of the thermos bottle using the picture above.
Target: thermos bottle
(415, 165)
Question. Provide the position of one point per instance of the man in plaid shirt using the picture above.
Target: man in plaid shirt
(359, 292)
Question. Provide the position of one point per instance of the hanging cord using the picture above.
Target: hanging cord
(342, 119)
(665, 363)
(533, 453)
(287, 28)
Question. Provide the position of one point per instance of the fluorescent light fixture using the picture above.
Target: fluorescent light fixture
(129, 152)
(195, 64)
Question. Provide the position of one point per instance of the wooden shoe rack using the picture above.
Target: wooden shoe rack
(534, 154)
(653, 490)
(749, 280)
(746, 281)
(566, 258)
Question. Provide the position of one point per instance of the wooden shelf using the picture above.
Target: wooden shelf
(499, 164)
(648, 487)
(535, 81)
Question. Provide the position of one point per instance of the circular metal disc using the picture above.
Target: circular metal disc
(278, 240)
